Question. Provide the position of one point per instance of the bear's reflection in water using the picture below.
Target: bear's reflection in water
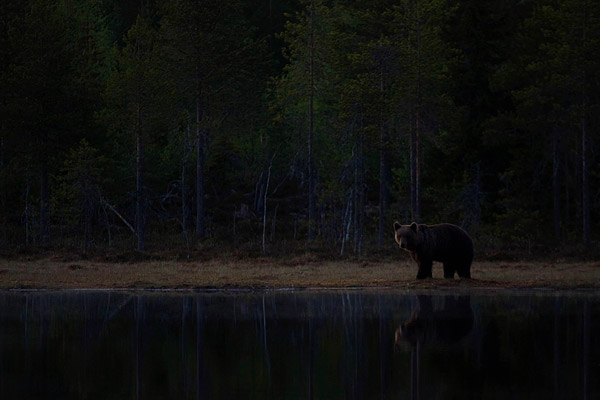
(444, 326)
(429, 327)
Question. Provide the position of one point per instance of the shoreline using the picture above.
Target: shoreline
(439, 290)
(290, 274)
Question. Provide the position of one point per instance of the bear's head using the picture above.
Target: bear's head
(411, 332)
(406, 236)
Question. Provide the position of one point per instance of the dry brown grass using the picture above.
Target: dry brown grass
(295, 272)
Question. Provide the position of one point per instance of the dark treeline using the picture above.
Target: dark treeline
(262, 124)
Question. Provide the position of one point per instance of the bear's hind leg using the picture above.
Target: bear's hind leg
(464, 271)
(449, 270)
(424, 269)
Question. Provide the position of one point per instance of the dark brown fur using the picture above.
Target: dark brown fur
(446, 243)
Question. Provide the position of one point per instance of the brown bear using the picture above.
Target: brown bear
(445, 243)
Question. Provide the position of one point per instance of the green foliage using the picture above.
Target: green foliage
(79, 185)
(499, 93)
(139, 97)
(547, 78)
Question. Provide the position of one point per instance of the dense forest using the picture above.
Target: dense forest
(278, 125)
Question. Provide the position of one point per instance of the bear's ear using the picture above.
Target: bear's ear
(414, 226)
(397, 225)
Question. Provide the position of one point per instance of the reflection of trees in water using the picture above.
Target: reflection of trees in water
(428, 326)
(305, 344)
(586, 349)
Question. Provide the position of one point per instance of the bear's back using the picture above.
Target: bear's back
(450, 241)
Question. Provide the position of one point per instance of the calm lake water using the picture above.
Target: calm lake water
(300, 345)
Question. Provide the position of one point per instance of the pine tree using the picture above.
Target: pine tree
(79, 188)
(548, 76)
(41, 77)
(422, 97)
(212, 51)
(136, 95)
(304, 83)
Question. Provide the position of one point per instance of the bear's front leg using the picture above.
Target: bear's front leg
(449, 270)
(425, 266)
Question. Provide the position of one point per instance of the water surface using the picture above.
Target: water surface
(299, 345)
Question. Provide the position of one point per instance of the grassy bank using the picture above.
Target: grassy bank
(54, 272)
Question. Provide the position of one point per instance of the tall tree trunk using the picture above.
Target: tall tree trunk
(139, 207)
(200, 138)
(566, 178)
(415, 166)
(585, 186)
(359, 190)
(184, 219)
(26, 212)
(184, 203)
(415, 123)
(86, 231)
(347, 222)
(88, 210)
(361, 202)
(264, 233)
(556, 181)
(311, 169)
(3, 190)
(578, 196)
(107, 226)
(418, 149)
(412, 166)
(355, 196)
(44, 202)
(418, 125)
(383, 167)
(383, 185)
